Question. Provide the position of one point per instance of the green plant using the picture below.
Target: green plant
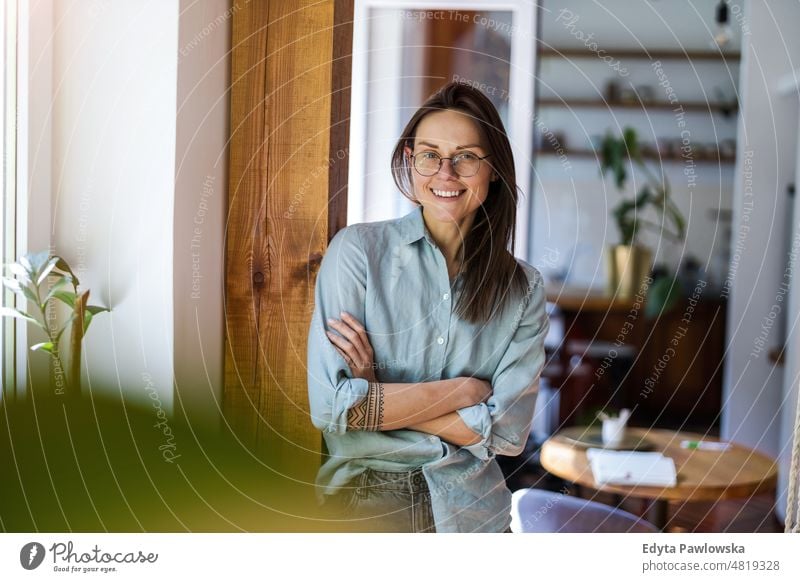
(42, 279)
(616, 152)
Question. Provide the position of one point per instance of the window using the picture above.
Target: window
(8, 20)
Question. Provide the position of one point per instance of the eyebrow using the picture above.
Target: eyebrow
(463, 147)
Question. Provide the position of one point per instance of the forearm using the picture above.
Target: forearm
(401, 405)
(449, 427)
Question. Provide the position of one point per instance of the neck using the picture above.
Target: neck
(449, 237)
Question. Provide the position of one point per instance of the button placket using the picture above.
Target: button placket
(444, 306)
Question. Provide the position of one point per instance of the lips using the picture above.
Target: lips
(447, 194)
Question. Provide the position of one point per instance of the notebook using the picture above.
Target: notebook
(631, 468)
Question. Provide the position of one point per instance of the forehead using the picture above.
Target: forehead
(448, 129)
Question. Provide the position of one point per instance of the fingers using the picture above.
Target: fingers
(365, 346)
(346, 357)
(345, 348)
(355, 335)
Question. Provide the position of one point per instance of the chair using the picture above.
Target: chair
(540, 511)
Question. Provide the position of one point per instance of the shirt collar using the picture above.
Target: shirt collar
(413, 227)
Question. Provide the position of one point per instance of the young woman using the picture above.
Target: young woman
(427, 338)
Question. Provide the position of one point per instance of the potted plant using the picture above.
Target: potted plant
(629, 263)
(42, 280)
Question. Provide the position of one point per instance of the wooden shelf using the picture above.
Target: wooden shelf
(594, 103)
(653, 55)
(589, 154)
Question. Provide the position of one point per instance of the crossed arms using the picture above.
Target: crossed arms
(485, 417)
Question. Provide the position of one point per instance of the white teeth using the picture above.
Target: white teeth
(447, 193)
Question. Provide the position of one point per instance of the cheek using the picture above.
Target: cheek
(480, 189)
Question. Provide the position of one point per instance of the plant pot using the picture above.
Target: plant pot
(627, 267)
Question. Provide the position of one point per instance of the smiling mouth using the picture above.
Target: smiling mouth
(447, 193)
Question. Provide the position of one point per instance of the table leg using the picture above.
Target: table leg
(659, 513)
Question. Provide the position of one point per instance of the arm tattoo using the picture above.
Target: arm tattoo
(368, 413)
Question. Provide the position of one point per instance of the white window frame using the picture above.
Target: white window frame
(27, 224)
(521, 90)
(8, 327)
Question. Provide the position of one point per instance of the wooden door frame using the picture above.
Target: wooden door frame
(290, 110)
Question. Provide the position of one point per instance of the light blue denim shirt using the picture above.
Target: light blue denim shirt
(392, 277)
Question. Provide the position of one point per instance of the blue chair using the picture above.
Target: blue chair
(540, 511)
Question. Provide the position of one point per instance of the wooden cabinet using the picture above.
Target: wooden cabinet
(672, 380)
(677, 378)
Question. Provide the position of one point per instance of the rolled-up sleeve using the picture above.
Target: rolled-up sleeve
(504, 421)
(341, 286)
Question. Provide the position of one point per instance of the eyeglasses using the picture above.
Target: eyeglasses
(465, 165)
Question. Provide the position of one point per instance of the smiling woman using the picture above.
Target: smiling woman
(438, 295)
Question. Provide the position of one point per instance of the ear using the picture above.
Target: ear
(494, 177)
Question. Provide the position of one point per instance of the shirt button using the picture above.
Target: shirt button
(446, 296)
(440, 341)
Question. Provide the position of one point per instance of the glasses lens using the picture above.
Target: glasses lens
(427, 163)
(466, 165)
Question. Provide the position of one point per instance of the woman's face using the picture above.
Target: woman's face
(446, 196)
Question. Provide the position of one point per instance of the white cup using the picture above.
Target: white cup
(614, 431)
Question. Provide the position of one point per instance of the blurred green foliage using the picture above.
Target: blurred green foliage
(83, 465)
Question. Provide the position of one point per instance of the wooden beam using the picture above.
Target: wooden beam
(288, 171)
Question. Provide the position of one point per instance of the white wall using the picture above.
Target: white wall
(201, 185)
(113, 169)
(752, 386)
(139, 108)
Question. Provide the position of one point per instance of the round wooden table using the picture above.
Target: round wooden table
(701, 475)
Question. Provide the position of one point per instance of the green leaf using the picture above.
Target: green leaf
(26, 264)
(20, 271)
(46, 269)
(62, 265)
(91, 311)
(16, 313)
(17, 287)
(677, 218)
(631, 144)
(37, 262)
(663, 294)
(30, 294)
(56, 288)
(44, 346)
(67, 297)
(12, 285)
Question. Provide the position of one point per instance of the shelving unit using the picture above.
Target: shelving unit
(636, 104)
(589, 154)
(654, 55)
(644, 105)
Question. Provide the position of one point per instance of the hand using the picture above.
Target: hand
(353, 345)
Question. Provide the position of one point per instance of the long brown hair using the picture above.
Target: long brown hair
(490, 270)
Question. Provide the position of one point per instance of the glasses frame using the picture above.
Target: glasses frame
(442, 159)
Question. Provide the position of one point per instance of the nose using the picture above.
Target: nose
(446, 169)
